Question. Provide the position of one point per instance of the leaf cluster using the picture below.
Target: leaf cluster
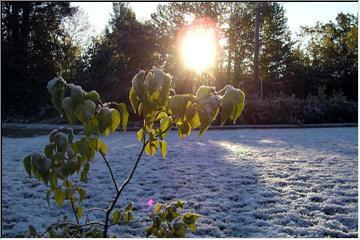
(168, 221)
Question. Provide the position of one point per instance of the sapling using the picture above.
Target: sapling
(156, 103)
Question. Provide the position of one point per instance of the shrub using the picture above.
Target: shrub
(152, 99)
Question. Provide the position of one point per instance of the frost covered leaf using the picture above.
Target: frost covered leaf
(165, 80)
(177, 105)
(87, 111)
(138, 85)
(232, 104)
(209, 109)
(93, 96)
(77, 93)
(124, 115)
(49, 150)
(69, 109)
(204, 92)
(56, 87)
(163, 148)
(104, 118)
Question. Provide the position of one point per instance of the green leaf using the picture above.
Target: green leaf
(204, 92)
(130, 216)
(133, 99)
(93, 96)
(95, 143)
(103, 148)
(184, 129)
(160, 116)
(61, 141)
(177, 105)
(87, 111)
(82, 193)
(59, 197)
(56, 87)
(190, 218)
(77, 93)
(27, 164)
(92, 126)
(129, 207)
(32, 231)
(163, 147)
(151, 147)
(115, 119)
(48, 197)
(104, 118)
(157, 208)
(165, 126)
(116, 216)
(70, 109)
(164, 80)
(140, 134)
(138, 85)
(180, 229)
(79, 211)
(124, 115)
(232, 104)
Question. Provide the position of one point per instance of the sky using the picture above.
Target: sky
(298, 13)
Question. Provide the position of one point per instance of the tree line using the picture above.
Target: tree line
(41, 40)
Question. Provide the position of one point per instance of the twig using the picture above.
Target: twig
(72, 205)
(122, 188)
(70, 223)
(111, 173)
(93, 209)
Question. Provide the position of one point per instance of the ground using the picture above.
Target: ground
(244, 183)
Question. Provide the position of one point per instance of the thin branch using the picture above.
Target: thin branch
(137, 221)
(58, 224)
(111, 173)
(72, 205)
(93, 209)
(111, 207)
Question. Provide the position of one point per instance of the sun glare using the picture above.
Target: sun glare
(199, 47)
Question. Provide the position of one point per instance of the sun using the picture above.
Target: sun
(199, 47)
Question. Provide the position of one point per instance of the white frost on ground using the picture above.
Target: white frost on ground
(244, 183)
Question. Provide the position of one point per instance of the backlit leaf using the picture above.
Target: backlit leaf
(163, 148)
(115, 119)
(56, 87)
(124, 115)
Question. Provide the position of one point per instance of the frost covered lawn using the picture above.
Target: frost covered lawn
(244, 183)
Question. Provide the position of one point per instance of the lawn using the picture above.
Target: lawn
(244, 183)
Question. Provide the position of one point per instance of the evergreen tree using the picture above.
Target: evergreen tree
(34, 51)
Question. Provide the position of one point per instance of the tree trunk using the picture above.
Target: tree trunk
(256, 50)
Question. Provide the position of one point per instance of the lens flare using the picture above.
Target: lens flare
(150, 202)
